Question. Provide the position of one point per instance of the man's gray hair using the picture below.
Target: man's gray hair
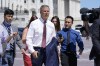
(43, 7)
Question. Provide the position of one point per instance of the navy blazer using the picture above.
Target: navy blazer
(52, 54)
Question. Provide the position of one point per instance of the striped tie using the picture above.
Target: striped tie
(11, 45)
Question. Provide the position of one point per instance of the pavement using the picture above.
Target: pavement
(83, 60)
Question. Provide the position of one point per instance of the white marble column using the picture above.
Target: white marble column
(61, 9)
(74, 9)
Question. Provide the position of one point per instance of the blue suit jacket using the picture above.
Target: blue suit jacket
(52, 54)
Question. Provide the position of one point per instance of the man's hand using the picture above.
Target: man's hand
(60, 40)
(80, 52)
(35, 54)
(14, 34)
(24, 52)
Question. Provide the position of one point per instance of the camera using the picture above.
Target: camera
(90, 14)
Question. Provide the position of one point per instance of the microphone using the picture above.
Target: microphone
(60, 36)
(60, 39)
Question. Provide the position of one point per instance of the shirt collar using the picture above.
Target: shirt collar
(42, 20)
(65, 29)
(6, 24)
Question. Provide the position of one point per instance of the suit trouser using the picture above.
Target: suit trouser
(97, 61)
(41, 57)
(8, 59)
(68, 59)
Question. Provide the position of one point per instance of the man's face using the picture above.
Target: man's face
(8, 18)
(68, 23)
(45, 13)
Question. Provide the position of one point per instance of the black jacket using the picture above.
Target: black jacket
(95, 35)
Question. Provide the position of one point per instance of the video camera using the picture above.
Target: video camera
(90, 15)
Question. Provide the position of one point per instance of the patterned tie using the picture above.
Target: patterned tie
(9, 32)
(44, 36)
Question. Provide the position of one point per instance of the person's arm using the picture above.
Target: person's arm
(24, 34)
(19, 43)
(29, 37)
(11, 36)
(17, 38)
(24, 52)
(6, 37)
(29, 42)
(80, 44)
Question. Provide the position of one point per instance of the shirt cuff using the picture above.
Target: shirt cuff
(31, 50)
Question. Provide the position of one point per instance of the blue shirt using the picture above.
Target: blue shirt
(74, 37)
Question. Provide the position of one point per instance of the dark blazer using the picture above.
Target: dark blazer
(95, 35)
(52, 54)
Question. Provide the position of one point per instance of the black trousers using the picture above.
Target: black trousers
(41, 57)
(68, 59)
(97, 61)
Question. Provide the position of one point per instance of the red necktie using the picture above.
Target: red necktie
(44, 36)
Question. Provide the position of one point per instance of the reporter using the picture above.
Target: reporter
(68, 45)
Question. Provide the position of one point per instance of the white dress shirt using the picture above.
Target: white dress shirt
(35, 33)
(3, 36)
(6, 36)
